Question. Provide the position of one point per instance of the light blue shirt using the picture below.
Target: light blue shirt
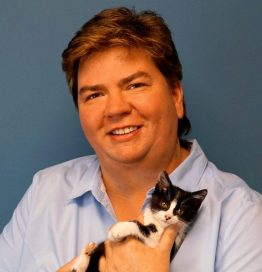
(67, 206)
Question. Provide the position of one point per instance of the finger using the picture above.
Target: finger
(102, 264)
(89, 248)
(107, 259)
(108, 248)
(168, 237)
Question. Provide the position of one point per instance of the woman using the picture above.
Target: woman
(125, 78)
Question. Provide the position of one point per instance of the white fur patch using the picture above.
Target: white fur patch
(82, 261)
(121, 230)
(167, 217)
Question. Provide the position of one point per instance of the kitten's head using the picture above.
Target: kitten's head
(170, 204)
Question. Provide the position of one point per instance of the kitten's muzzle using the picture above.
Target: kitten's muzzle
(167, 217)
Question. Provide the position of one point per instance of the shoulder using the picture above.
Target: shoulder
(64, 177)
(74, 167)
(229, 194)
(224, 184)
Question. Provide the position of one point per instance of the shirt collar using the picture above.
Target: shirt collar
(88, 179)
(188, 174)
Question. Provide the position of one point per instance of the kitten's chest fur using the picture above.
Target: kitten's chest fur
(153, 239)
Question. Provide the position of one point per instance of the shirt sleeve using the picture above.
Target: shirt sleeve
(240, 242)
(12, 237)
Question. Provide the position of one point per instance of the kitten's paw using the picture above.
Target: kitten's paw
(82, 261)
(120, 231)
(89, 248)
(80, 264)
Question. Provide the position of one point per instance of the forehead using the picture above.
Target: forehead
(115, 62)
(118, 52)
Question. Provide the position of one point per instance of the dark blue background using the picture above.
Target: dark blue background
(220, 46)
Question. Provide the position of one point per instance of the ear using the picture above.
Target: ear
(195, 199)
(200, 194)
(178, 98)
(163, 181)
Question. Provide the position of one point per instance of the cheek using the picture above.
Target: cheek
(157, 107)
(161, 215)
(89, 122)
(174, 220)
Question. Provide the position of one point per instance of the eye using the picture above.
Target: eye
(136, 85)
(93, 96)
(164, 205)
(179, 211)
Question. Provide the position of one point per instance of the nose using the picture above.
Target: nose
(117, 105)
(167, 217)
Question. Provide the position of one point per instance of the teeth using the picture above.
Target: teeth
(122, 131)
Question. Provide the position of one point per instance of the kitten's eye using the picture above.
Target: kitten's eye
(179, 211)
(164, 205)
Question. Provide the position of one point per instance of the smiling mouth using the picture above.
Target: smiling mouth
(123, 131)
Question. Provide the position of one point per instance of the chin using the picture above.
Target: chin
(128, 159)
(127, 156)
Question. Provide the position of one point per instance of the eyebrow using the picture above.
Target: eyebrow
(90, 88)
(121, 83)
(136, 75)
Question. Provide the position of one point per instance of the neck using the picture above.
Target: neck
(128, 180)
(127, 191)
(128, 177)
(125, 182)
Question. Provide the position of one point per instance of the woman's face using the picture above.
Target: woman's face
(127, 110)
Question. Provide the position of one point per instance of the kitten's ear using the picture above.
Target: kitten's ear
(198, 197)
(163, 181)
(200, 194)
(195, 199)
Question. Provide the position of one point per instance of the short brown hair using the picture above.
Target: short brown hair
(125, 27)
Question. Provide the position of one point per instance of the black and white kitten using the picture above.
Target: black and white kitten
(169, 205)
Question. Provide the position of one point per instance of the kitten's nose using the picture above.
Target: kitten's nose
(167, 217)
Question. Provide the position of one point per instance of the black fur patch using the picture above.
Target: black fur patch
(97, 253)
(146, 230)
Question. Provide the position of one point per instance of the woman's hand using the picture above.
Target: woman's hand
(132, 255)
